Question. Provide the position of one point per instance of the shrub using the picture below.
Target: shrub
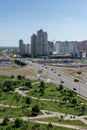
(18, 123)
(5, 121)
(28, 100)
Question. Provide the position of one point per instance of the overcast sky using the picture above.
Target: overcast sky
(61, 19)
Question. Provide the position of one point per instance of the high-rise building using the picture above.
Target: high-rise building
(22, 47)
(42, 43)
(65, 47)
(28, 49)
(50, 47)
(33, 45)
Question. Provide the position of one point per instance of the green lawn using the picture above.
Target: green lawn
(32, 126)
(51, 92)
(62, 121)
(12, 98)
(58, 107)
(13, 112)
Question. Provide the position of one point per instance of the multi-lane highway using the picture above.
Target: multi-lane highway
(58, 77)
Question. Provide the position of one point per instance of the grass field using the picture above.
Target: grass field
(26, 70)
(32, 126)
(51, 92)
(62, 121)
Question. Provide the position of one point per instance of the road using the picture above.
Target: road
(81, 88)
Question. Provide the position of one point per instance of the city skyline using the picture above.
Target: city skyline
(62, 20)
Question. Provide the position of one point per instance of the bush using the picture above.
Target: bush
(19, 77)
(50, 125)
(5, 121)
(28, 100)
(42, 84)
(28, 84)
(35, 110)
(60, 87)
(8, 86)
(18, 123)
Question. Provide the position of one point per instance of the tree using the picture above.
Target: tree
(19, 77)
(49, 126)
(42, 84)
(60, 87)
(28, 100)
(18, 122)
(8, 86)
(35, 110)
(5, 121)
(64, 99)
(74, 101)
(41, 90)
(28, 84)
(71, 93)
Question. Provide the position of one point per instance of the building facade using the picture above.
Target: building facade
(42, 43)
(34, 45)
(65, 47)
(22, 47)
(21, 42)
(50, 47)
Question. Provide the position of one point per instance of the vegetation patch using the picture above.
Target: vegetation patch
(62, 121)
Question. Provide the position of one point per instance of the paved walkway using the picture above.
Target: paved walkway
(54, 114)
(23, 93)
(48, 114)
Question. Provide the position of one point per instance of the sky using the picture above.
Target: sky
(61, 19)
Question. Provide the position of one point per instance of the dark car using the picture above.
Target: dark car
(59, 75)
(74, 89)
(62, 81)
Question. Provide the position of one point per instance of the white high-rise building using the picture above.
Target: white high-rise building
(65, 47)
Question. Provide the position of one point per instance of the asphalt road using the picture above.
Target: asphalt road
(81, 88)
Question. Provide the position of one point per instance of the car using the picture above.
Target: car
(62, 81)
(76, 80)
(59, 75)
(52, 69)
(74, 89)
